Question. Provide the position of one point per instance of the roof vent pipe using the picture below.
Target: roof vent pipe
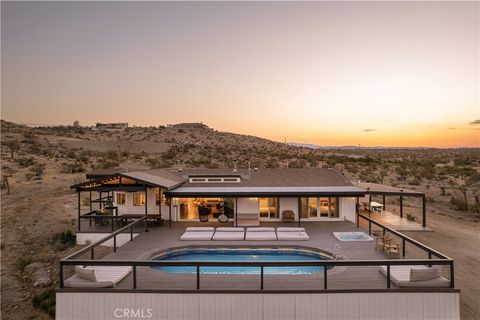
(235, 165)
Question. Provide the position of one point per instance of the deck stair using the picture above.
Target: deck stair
(247, 220)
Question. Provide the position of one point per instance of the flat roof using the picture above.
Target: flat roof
(376, 188)
(350, 191)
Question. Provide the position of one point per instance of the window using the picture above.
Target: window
(157, 198)
(121, 199)
(139, 199)
(334, 208)
(325, 207)
(268, 208)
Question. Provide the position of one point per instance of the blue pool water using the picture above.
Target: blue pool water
(352, 236)
(242, 255)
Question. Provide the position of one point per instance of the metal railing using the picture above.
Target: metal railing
(198, 265)
(431, 252)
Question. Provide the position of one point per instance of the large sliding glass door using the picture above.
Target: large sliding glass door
(268, 208)
(322, 208)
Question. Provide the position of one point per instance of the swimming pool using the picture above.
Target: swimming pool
(352, 236)
(242, 255)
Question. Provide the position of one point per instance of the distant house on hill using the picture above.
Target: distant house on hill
(189, 125)
(112, 126)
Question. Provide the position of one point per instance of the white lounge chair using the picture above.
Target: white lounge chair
(229, 233)
(261, 234)
(286, 233)
(197, 233)
(99, 277)
(401, 276)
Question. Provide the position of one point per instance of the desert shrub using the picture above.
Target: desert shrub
(108, 163)
(35, 148)
(29, 175)
(22, 262)
(299, 163)
(458, 204)
(45, 301)
(37, 169)
(72, 167)
(411, 217)
(26, 162)
(415, 182)
(65, 239)
(83, 157)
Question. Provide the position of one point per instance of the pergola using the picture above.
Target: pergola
(114, 182)
(375, 189)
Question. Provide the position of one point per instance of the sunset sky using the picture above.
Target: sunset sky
(327, 73)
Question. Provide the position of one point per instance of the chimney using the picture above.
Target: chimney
(234, 165)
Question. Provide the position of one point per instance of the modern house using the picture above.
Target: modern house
(177, 236)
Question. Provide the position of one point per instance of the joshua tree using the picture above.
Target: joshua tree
(13, 146)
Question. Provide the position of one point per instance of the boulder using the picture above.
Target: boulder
(32, 267)
(41, 278)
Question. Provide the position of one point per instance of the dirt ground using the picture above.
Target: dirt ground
(460, 240)
(31, 215)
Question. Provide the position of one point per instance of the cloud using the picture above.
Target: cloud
(475, 122)
(370, 130)
(452, 128)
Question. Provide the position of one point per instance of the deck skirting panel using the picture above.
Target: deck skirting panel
(295, 306)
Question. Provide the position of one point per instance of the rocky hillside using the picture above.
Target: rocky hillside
(39, 164)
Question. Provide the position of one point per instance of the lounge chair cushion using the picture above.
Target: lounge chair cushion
(107, 276)
(400, 276)
(288, 235)
(260, 235)
(424, 274)
(189, 229)
(196, 235)
(261, 229)
(290, 229)
(230, 229)
(85, 273)
(230, 235)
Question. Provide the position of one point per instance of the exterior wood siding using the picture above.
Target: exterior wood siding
(428, 305)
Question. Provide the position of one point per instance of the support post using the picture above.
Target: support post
(146, 210)
(90, 200)
(388, 276)
(261, 277)
(236, 212)
(299, 211)
(100, 199)
(401, 206)
(383, 202)
(452, 276)
(169, 212)
(79, 208)
(61, 275)
(369, 204)
(134, 277)
(198, 277)
(424, 212)
(325, 282)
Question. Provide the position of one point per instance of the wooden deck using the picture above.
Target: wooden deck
(149, 244)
